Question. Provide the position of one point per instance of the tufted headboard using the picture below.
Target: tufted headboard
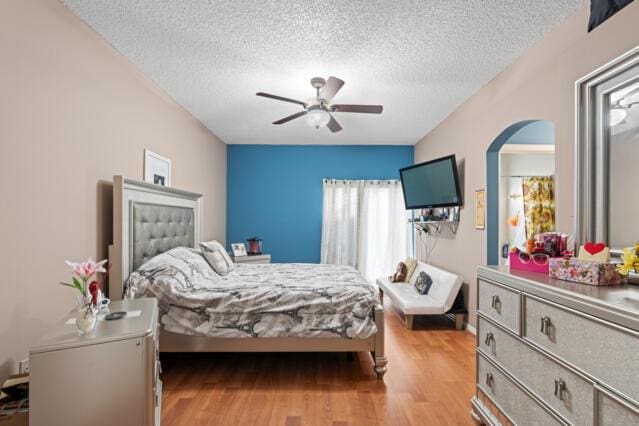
(148, 220)
(158, 228)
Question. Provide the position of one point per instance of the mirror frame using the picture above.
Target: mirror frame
(591, 148)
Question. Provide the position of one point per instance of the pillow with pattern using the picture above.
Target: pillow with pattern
(423, 283)
(216, 255)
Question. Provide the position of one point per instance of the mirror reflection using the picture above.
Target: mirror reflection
(623, 162)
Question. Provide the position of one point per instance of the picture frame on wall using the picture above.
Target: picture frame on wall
(480, 209)
(239, 249)
(157, 169)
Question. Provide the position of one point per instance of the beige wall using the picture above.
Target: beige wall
(539, 85)
(73, 113)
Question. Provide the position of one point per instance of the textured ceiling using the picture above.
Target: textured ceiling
(420, 59)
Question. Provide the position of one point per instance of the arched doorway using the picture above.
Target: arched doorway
(523, 150)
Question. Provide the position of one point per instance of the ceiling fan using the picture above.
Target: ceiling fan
(618, 109)
(318, 112)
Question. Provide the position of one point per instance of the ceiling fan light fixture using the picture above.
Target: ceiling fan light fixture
(617, 115)
(318, 109)
(318, 118)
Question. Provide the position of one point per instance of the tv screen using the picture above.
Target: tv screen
(431, 184)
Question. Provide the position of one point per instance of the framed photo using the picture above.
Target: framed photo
(157, 169)
(239, 249)
(480, 209)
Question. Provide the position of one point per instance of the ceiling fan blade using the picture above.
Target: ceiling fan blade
(366, 109)
(290, 117)
(332, 86)
(333, 125)
(280, 98)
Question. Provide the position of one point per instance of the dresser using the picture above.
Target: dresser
(109, 376)
(555, 352)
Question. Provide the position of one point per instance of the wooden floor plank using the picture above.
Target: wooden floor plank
(430, 380)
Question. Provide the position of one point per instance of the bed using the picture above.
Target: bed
(255, 308)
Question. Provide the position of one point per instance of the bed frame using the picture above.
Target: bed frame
(150, 219)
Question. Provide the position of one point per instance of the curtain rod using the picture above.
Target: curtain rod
(528, 176)
(361, 180)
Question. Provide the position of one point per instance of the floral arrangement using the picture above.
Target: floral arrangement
(87, 280)
(629, 261)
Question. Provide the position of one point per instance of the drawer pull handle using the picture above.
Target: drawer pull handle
(560, 387)
(545, 325)
(489, 379)
(495, 302)
(489, 339)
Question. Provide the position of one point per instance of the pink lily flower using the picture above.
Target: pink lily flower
(85, 270)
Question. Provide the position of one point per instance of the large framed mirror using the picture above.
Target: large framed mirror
(607, 167)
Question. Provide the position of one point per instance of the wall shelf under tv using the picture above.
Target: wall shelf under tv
(431, 227)
(431, 221)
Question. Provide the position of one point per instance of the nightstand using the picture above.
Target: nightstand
(252, 259)
(109, 376)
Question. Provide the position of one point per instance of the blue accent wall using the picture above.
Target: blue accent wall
(275, 191)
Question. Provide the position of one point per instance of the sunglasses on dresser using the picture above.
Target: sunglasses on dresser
(536, 258)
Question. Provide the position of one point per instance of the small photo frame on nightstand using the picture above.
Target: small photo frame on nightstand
(239, 249)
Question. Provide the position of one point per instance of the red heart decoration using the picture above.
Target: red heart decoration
(593, 248)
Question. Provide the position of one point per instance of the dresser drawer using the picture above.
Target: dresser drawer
(615, 411)
(510, 398)
(596, 347)
(500, 304)
(560, 388)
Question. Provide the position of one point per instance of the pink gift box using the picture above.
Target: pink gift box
(584, 271)
(531, 266)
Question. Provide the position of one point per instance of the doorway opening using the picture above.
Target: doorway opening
(520, 185)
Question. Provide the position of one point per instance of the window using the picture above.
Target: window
(365, 225)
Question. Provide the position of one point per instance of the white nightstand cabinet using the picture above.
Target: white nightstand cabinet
(252, 259)
(109, 376)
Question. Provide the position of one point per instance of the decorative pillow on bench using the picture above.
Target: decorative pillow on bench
(411, 265)
(423, 283)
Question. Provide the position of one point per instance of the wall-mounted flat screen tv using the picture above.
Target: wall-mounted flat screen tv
(431, 184)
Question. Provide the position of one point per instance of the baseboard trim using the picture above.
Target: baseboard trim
(471, 329)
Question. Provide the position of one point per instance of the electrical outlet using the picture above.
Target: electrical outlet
(23, 366)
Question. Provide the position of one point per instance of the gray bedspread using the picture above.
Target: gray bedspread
(269, 300)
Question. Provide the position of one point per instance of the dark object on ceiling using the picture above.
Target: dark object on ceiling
(600, 10)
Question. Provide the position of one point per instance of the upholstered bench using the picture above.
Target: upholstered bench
(439, 300)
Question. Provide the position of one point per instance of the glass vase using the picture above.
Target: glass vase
(86, 318)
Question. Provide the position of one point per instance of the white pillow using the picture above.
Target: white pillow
(216, 255)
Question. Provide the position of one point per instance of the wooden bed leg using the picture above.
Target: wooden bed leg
(381, 295)
(459, 321)
(381, 366)
(379, 354)
(408, 321)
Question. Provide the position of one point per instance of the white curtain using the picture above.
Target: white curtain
(365, 224)
(340, 222)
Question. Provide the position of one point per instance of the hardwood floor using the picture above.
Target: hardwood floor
(430, 381)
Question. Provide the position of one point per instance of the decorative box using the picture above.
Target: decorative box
(584, 271)
(532, 265)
